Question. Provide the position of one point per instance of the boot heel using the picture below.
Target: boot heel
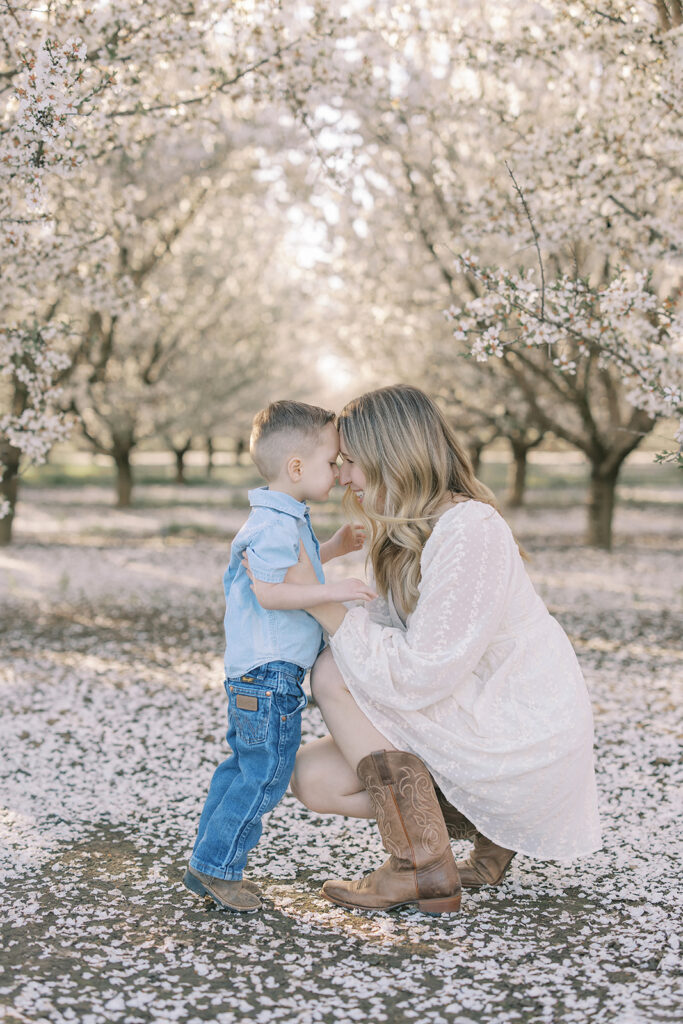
(443, 905)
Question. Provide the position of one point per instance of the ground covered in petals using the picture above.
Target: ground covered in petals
(113, 719)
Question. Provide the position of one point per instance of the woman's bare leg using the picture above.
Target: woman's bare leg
(324, 777)
(353, 733)
(324, 782)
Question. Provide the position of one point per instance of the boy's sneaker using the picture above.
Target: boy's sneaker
(237, 895)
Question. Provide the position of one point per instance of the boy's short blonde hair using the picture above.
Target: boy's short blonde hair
(284, 429)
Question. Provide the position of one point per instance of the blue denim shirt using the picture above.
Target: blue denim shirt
(277, 524)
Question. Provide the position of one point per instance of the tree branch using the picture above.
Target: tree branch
(543, 420)
(537, 244)
(97, 445)
(133, 111)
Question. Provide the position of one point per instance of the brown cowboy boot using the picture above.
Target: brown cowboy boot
(421, 868)
(457, 825)
(486, 864)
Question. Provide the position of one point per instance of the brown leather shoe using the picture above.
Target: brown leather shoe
(251, 886)
(227, 894)
(486, 864)
(420, 868)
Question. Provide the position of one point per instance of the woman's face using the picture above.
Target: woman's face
(350, 473)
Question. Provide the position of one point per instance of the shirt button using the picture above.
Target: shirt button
(284, 718)
(232, 689)
(269, 693)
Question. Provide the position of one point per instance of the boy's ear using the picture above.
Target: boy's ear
(295, 468)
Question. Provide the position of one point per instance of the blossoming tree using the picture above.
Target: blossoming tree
(541, 139)
(83, 87)
(212, 302)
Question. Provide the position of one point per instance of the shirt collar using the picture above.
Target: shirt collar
(265, 498)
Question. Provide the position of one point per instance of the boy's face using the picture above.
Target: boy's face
(319, 470)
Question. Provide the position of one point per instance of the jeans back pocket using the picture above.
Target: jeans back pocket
(250, 711)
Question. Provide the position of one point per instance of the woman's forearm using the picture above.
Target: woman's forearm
(330, 616)
(288, 596)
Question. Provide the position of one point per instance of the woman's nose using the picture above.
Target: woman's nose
(344, 478)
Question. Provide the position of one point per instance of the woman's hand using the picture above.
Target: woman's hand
(348, 538)
(302, 571)
(349, 590)
(341, 590)
(301, 588)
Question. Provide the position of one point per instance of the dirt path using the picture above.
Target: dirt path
(112, 721)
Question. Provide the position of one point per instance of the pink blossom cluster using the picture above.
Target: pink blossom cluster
(90, 91)
(623, 323)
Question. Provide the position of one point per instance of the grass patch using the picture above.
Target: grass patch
(549, 484)
(77, 475)
(563, 478)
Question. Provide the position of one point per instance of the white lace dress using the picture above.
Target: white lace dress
(483, 685)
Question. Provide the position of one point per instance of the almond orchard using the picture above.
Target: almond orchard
(208, 206)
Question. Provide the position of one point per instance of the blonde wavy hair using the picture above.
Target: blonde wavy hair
(413, 465)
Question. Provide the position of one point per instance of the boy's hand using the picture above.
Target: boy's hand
(348, 538)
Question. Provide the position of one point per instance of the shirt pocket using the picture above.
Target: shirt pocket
(250, 708)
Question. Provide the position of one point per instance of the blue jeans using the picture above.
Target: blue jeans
(264, 732)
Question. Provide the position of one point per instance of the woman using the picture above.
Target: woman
(455, 698)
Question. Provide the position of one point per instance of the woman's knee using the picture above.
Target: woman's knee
(301, 782)
(311, 778)
(295, 786)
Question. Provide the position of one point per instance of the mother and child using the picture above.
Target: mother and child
(454, 701)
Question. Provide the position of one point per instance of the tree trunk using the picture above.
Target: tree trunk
(517, 478)
(601, 501)
(180, 466)
(606, 463)
(209, 457)
(124, 478)
(474, 450)
(9, 490)
(180, 451)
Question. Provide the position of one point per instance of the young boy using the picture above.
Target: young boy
(269, 649)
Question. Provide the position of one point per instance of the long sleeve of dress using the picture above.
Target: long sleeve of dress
(465, 578)
(378, 611)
